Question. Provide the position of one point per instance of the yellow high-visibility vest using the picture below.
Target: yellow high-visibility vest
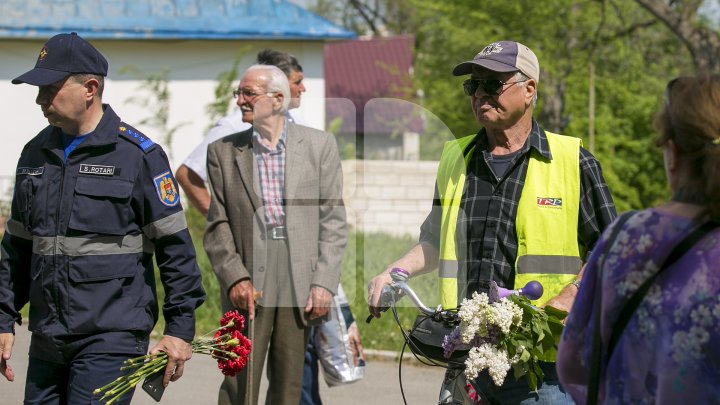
(546, 222)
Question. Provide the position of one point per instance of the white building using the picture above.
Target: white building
(194, 40)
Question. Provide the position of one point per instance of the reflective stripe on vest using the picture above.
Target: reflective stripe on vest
(547, 218)
(550, 258)
(450, 182)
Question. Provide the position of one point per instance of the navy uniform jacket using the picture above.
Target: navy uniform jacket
(82, 233)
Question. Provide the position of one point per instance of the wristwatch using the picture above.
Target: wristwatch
(576, 283)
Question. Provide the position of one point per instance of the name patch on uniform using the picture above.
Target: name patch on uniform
(30, 171)
(549, 202)
(97, 170)
(167, 192)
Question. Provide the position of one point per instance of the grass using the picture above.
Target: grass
(366, 256)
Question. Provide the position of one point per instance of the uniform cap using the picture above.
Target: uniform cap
(62, 55)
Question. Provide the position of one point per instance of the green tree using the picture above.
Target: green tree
(633, 58)
(622, 52)
(683, 18)
(369, 17)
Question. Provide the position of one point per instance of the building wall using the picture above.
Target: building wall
(194, 66)
(388, 196)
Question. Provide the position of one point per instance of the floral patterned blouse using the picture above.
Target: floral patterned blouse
(669, 352)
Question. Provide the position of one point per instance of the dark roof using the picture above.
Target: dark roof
(376, 75)
(165, 19)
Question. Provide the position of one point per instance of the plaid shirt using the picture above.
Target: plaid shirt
(271, 171)
(486, 235)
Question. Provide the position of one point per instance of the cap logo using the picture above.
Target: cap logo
(492, 48)
(43, 53)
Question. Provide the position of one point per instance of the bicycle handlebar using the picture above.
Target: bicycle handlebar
(399, 287)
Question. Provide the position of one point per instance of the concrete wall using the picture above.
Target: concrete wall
(194, 66)
(388, 196)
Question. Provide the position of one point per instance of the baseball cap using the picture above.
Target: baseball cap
(503, 56)
(61, 56)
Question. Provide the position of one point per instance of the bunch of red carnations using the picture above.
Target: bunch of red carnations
(232, 347)
(225, 344)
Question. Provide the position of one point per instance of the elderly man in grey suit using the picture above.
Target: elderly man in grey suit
(275, 233)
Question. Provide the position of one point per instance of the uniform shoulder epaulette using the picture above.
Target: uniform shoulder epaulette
(136, 137)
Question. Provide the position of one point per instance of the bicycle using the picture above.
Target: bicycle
(426, 336)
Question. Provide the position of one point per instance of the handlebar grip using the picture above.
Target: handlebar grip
(399, 274)
(532, 290)
(387, 297)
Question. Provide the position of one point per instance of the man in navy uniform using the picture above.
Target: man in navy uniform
(94, 200)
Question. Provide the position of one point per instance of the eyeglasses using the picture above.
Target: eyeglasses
(491, 87)
(249, 95)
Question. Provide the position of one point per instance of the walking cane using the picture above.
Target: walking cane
(251, 361)
(251, 365)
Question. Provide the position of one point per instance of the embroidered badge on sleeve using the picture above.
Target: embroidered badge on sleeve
(167, 192)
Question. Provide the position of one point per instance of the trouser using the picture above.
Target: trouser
(311, 375)
(279, 335)
(68, 371)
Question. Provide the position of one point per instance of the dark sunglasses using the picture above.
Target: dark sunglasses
(491, 87)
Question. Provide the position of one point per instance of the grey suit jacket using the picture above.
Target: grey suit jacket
(314, 211)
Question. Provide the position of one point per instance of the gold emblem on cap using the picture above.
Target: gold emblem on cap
(123, 129)
(43, 53)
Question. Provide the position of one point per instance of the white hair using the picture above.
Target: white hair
(277, 82)
(522, 77)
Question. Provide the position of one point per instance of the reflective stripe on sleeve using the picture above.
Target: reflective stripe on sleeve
(100, 245)
(169, 225)
(15, 228)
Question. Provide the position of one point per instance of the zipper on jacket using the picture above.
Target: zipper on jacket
(56, 257)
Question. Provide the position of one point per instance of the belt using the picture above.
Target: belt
(277, 232)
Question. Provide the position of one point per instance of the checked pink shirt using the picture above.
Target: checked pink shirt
(271, 171)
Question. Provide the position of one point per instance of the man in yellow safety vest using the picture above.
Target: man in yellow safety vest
(513, 203)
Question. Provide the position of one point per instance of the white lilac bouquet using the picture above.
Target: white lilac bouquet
(225, 344)
(508, 332)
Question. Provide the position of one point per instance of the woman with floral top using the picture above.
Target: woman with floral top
(669, 352)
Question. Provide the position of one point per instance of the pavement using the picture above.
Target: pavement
(201, 380)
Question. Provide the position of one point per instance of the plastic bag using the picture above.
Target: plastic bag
(332, 345)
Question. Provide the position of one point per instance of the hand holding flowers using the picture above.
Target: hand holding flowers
(177, 352)
(227, 345)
